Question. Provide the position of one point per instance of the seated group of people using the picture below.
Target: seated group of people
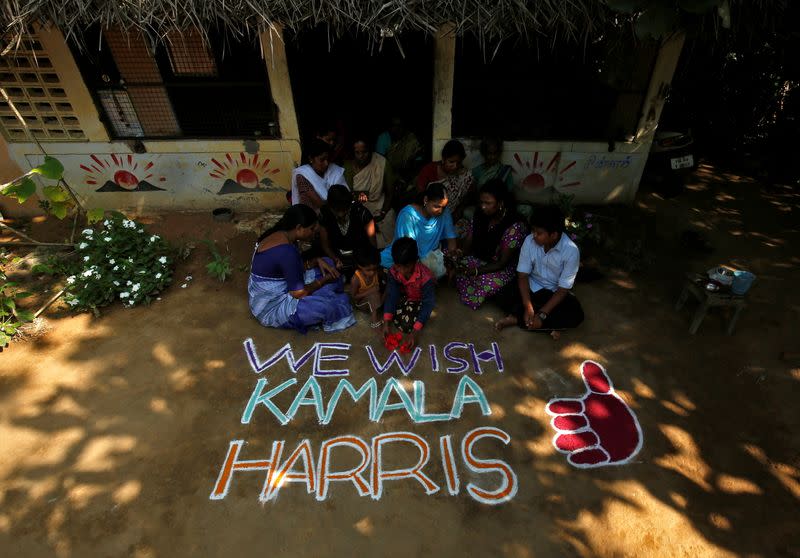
(395, 239)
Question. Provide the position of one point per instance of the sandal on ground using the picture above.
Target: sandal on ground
(376, 325)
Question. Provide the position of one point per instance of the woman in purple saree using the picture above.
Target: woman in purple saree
(286, 292)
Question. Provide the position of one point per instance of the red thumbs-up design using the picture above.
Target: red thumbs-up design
(597, 429)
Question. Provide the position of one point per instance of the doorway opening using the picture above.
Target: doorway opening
(357, 86)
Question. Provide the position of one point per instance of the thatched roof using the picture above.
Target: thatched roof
(489, 20)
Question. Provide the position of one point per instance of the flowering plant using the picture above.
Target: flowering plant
(583, 229)
(118, 260)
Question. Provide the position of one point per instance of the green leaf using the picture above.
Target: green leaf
(21, 190)
(4, 339)
(117, 215)
(43, 268)
(51, 168)
(95, 215)
(24, 316)
(59, 209)
(55, 194)
(22, 294)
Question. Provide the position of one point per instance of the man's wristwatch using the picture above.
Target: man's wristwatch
(542, 316)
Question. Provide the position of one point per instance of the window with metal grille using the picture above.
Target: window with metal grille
(188, 87)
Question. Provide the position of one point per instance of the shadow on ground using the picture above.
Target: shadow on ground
(114, 429)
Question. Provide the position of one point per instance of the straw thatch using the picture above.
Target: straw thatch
(488, 19)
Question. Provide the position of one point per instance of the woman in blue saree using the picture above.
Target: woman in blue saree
(430, 223)
(286, 292)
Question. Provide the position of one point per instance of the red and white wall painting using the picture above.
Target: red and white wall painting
(119, 173)
(237, 179)
(242, 173)
(255, 180)
(542, 169)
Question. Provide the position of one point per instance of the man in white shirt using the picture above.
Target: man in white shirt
(548, 264)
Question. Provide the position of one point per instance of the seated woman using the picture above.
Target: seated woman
(311, 182)
(429, 222)
(403, 153)
(287, 293)
(494, 237)
(492, 168)
(346, 226)
(458, 181)
(373, 183)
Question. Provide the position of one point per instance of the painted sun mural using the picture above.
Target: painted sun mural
(244, 173)
(538, 173)
(120, 173)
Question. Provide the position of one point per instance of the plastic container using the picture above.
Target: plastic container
(742, 281)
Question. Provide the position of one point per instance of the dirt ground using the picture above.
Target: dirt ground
(114, 429)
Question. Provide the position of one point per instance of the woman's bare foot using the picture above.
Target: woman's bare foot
(556, 335)
(508, 321)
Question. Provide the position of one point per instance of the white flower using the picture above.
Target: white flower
(162, 259)
(141, 230)
(183, 286)
(82, 245)
(71, 279)
(127, 223)
(88, 232)
(72, 302)
(129, 283)
(106, 223)
(158, 276)
(87, 273)
(116, 267)
(124, 295)
(86, 258)
(116, 283)
(135, 287)
(142, 272)
(153, 238)
(107, 238)
(111, 261)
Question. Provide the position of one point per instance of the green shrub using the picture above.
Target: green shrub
(118, 259)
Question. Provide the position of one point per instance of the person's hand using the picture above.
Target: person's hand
(338, 263)
(387, 329)
(598, 428)
(362, 197)
(411, 340)
(530, 316)
(537, 323)
(327, 269)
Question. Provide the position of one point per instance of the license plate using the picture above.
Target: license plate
(682, 162)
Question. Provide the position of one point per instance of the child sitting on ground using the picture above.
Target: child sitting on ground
(365, 286)
(410, 292)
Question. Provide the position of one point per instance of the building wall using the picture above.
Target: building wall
(255, 175)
